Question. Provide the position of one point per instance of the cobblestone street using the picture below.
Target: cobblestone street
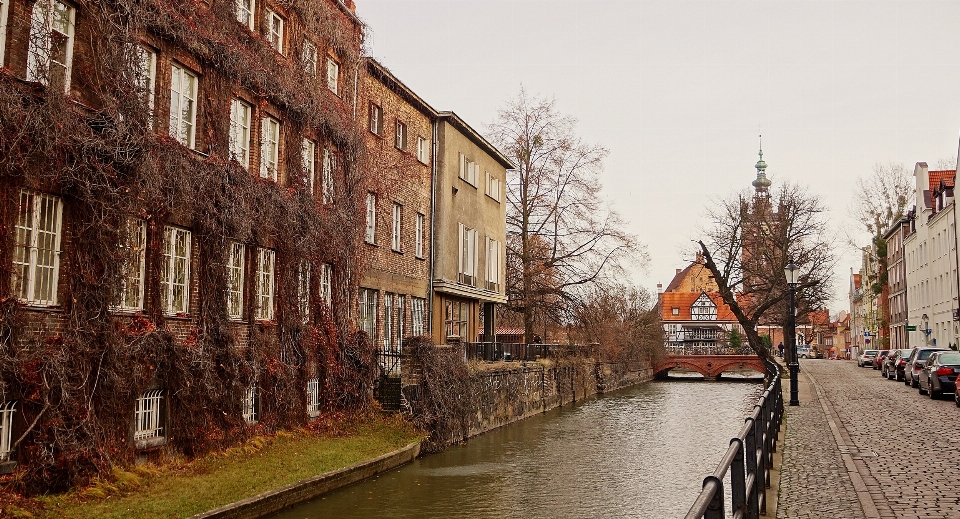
(863, 446)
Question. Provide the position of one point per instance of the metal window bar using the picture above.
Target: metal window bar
(147, 417)
(250, 414)
(313, 396)
(7, 410)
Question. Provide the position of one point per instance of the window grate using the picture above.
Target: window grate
(148, 423)
(7, 410)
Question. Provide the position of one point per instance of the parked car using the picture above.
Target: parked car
(893, 366)
(866, 358)
(915, 363)
(878, 360)
(940, 373)
(803, 351)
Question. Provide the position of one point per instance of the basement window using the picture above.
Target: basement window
(149, 430)
(7, 410)
(251, 405)
(313, 397)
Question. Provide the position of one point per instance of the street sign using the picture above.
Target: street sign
(866, 334)
(911, 328)
(867, 341)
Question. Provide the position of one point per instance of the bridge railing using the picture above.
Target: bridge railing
(708, 350)
(748, 460)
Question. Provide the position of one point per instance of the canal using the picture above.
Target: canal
(639, 452)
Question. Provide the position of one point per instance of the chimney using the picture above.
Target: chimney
(700, 257)
(350, 5)
(679, 271)
(659, 288)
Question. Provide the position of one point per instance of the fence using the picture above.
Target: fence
(748, 460)
(509, 351)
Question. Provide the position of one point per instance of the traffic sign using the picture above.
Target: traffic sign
(911, 328)
(867, 341)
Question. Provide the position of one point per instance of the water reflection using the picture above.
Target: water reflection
(641, 452)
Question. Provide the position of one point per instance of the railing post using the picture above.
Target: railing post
(715, 510)
(753, 497)
(738, 480)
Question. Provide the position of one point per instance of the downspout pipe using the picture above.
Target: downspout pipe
(433, 222)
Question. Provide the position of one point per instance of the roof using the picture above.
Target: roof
(947, 175)
(381, 73)
(477, 139)
(684, 300)
(502, 330)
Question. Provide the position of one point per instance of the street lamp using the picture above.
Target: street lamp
(791, 272)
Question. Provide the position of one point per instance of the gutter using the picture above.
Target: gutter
(433, 222)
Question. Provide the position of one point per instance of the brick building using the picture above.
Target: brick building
(179, 233)
(693, 312)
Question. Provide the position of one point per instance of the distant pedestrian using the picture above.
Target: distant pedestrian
(780, 348)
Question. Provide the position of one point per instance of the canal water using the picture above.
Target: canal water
(638, 452)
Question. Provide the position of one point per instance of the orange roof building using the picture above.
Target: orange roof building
(693, 312)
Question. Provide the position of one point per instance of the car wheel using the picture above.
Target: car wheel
(914, 383)
(956, 398)
(933, 394)
(922, 391)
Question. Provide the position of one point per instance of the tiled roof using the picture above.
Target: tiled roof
(947, 175)
(684, 300)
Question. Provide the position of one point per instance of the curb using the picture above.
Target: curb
(275, 500)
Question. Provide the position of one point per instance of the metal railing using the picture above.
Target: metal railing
(708, 350)
(748, 460)
(508, 351)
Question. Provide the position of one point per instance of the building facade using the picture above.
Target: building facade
(693, 313)
(897, 284)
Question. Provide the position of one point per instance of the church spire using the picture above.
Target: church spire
(762, 182)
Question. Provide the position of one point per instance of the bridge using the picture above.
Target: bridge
(710, 366)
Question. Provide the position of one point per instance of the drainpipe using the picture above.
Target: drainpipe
(956, 261)
(433, 223)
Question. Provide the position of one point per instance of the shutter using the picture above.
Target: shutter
(474, 242)
(460, 248)
(488, 266)
(463, 166)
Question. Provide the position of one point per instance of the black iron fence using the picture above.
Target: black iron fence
(510, 351)
(748, 461)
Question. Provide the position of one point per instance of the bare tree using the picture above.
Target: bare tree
(622, 320)
(749, 242)
(881, 199)
(561, 235)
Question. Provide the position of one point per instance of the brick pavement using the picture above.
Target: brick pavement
(848, 452)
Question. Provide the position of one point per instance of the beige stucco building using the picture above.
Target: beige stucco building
(469, 232)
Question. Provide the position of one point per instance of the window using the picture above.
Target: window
(175, 277)
(468, 255)
(423, 150)
(251, 405)
(388, 321)
(494, 264)
(134, 258)
(265, 269)
(313, 397)
(395, 234)
(7, 410)
(455, 319)
(468, 170)
(309, 58)
(240, 132)
(245, 10)
(329, 161)
(376, 119)
(418, 240)
(274, 30)
(309, 152)
(333, 76)
(146, 78)
(303, 290)
(183, 101)
(50, 52)
(326, 288)
(493, 187)
(418, 311)
(400, 142)
(401, 324)
(36, 258)
(675, 311)
(368, 312)
(235, 260)
(148, 419)
(269, 148)
(371, 235)
(4, 8)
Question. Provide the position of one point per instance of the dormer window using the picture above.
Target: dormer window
(703, 309)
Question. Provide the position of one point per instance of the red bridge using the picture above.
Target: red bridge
(710, 366)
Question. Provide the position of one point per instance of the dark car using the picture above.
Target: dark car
(896, 361)
(915, 363)
(940, 373)
(878, 360)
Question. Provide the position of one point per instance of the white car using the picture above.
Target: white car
(866, 359)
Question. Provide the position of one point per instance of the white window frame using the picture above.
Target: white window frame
(246, 10)
(148, 419)
(494, 263)
(376, 119)
(468, 255)
(494, 187)
(308, 152)
(269, 148)
(266, 269)
(368, 312)
(274, 30)
(308, 56)
(176, 271)
(703, 309)
(418, 306)
(400, 136)
(7, 411)
(333, 75)
(251, 413)
(43, 25)
(184, 86)
(329, 161)
(395, 233)
(313, 397)
(371, 229)
(388, 321)
(418, 239)
(468, 170)
(423, 150)
(36, 256)
(134, 265)
(4, 10)
(326, 283)
(241, 118)
(236, 263)
(303, 290)
(399, 307)
(146, 80)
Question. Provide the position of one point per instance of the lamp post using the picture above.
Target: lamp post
(791, 271)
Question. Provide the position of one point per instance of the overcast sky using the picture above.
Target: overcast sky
(676, 91)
